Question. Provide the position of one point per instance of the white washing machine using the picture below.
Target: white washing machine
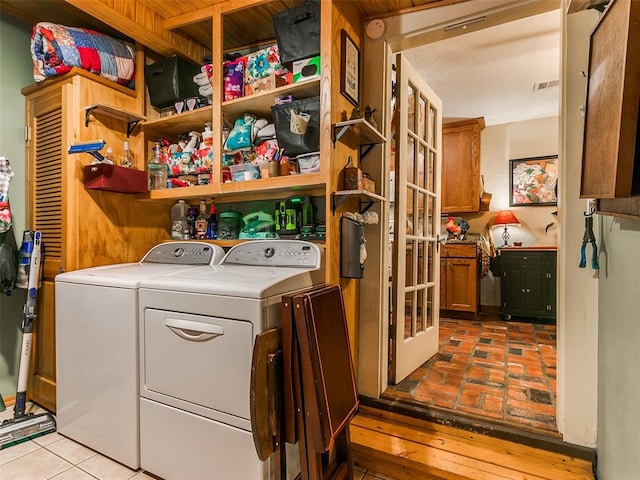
(97, 344)
(197, 330)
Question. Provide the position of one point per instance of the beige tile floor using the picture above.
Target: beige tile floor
(55, 457)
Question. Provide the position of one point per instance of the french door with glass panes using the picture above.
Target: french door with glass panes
(415, 297)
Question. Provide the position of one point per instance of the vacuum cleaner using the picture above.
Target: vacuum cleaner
(27, 426)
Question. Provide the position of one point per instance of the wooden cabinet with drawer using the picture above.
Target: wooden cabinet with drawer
(459, 280)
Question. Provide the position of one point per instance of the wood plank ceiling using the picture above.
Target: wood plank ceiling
(239, 30)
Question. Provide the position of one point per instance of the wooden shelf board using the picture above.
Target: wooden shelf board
(179, 123)
(362, 193)
(250, 190)
(366, 133)
(260, 104)
(367, 197)
(100, 108)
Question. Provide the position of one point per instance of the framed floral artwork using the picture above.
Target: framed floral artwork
(534, 181)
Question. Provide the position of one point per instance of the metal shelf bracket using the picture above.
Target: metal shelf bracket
(132, 119)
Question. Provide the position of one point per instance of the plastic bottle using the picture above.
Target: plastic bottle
(126, 159)
(179, 220)
(212, 223)
(201, 221)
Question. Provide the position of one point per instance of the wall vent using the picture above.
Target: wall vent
(544, 85)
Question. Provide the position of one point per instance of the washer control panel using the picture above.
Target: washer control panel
(185, 253)
(275, 253)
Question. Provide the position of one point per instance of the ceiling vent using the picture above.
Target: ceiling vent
(544, 85)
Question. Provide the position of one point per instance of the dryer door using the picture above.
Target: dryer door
(203, 360)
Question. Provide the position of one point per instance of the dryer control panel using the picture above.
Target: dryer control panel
(185, 253)
(275, 253)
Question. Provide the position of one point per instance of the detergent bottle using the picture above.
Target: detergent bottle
(179, 220)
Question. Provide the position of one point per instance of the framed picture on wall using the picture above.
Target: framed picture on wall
(534, 181)
(350, 69)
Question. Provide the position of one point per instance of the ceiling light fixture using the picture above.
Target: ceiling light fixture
(464, 24)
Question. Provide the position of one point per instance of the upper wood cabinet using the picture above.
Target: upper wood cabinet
(612, 104)
(461, 166)
(610, 164)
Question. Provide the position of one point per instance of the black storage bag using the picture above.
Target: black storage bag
(9, 256)
(171, 80)
(298, 32)
(296, 144)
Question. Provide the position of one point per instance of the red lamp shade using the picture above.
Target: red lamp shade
(506, 217)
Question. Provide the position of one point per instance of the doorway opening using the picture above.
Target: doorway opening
(491, 369)
(497, 371)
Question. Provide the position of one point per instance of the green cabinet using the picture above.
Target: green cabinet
(527, 282)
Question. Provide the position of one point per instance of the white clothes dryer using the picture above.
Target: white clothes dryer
(197, 331)
(97, 347)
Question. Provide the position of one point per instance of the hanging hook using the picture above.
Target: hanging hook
(591, 208)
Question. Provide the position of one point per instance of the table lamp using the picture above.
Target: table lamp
(506, 218)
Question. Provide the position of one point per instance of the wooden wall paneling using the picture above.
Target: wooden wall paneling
(89, 236)
(144, 25)
(114, 227)
(42, 383)
(171, 9)
(343, 15)
(195, 23)
(141, 100)
(217, 32)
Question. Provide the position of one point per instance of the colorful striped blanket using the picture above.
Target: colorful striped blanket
(56, 49)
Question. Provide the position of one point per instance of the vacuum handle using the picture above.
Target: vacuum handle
(193, 331)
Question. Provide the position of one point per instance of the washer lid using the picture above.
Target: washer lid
(123, 275)
(237, 280)
(163, 258)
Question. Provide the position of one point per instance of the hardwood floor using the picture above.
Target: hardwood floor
(402, 447)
